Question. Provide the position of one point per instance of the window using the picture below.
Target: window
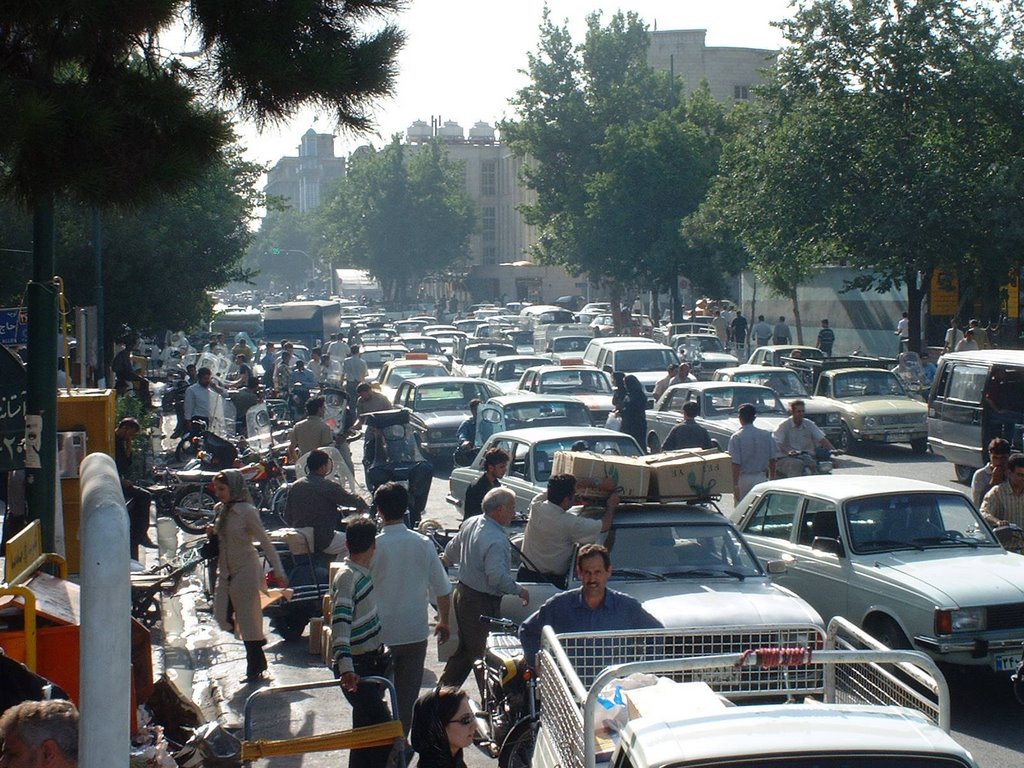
(489, 255)
(967, 382)
(520, 454)
(819, 520)
(741, 92)
(774, 516)
(489, 178)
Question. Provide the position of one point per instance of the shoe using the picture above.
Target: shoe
(147, 542)
(260, 678)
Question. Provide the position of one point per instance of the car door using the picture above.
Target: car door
(519, 476)
(669, 413)
(962, 429)
(819, 576)
(769, 528)
(490, 419)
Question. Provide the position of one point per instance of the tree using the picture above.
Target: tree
(95, 111)
(286, 247)
(401, 213)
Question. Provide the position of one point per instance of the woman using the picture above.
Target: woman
(443, 724)
(236, 601)
(634, 411)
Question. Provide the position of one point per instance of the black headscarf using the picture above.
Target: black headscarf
(428, 735)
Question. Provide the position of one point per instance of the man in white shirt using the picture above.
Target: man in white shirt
(800, 439)
(203, 401)
(406, 572)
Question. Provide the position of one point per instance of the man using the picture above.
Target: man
(761, 332)
(968, 342)
(689, 434)
(302, 376)
(781, 332)
(369, 400)
(137, 500)
(241, 348)
(267, 363)
(826, 339)
(406, 572)
(1005, 502)
(801, 438)
(481, 549)
(125, 373)
(667, 381)
(739, 331)
(952, 338)
(993, 473)
(313, 502)
(980, 335)
(903, 332)
(316, 367)
(202, 401)
(356, 645)
(465, 437)
(591, 607)
(753, 453)
(721, 326)
(355, 371)
(333, 348)
(312, 432)
(40, 734)
(928, 369)
(495, 466)
(555, 527)
(282, 379)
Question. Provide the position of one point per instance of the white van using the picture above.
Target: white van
(646, 359)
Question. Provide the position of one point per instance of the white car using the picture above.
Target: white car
(911, 562)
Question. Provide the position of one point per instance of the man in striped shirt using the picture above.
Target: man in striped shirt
(356, 645)
(1005, 502)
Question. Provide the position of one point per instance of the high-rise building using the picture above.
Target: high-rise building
(300, 180)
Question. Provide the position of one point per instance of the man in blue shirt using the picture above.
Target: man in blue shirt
(591, 607)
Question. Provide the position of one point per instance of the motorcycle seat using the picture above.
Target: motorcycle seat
(503, 649)
(195, 476)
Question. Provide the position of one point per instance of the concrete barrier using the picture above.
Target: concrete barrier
(105, 694)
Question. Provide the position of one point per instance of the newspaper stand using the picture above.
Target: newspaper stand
(380, 735)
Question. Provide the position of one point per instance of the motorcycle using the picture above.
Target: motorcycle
(507, 724)
(391, 453)
(798, 463)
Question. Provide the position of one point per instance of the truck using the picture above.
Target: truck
(850, 701)
(303, 322)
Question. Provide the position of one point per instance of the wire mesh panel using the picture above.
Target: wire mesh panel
(590, 653)
(561, 712)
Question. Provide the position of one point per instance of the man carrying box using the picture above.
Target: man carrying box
(555, 527)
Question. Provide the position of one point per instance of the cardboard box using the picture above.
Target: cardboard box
(694, 698)
(316, 631)
(689, 474)
(631, 475)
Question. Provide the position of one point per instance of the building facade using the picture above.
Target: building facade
(301, 180)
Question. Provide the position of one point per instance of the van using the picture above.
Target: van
(976, 396)
(647, 360)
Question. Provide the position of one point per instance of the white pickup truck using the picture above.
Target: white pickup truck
(851, 703)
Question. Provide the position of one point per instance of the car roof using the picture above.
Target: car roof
(446, 380)
(703, 386)
(608, 341)
(834, 371)
(652, 513)
(415, 363)
(553, 368)
(513, 358)
(842, 487)
(1008, 356)
(756, 369)
(530, 397)
(540, 434)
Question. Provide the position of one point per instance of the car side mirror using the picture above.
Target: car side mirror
(827, 544)
(776, 567)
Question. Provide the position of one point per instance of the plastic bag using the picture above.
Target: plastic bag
(613, 422)
(614, 712)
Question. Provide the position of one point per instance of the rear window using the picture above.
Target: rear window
(967, 383)
(576, 383)
(448, 397)
(547, 414)
(645, 360)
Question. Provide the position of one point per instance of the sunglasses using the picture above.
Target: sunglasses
(464, 720)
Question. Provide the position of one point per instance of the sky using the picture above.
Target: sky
(462, 58)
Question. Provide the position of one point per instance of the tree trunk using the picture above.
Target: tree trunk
(616, 307)
(655, 306)
(796, 317)
(916, 294)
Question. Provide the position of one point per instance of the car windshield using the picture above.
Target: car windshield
(873, 383)
(375, 358)
(448, 397)
(701, 343)
(576, 383)
(785, 383)
(428, 345)
(689, 550)
(544, 413)
(726, 401)
(521, 337)
(914, 521)
(807, 353)
(477, 355)
(553, 316)
(570, 344)
(400, 373)
(612, 445)
(512, 370)
(652, 359)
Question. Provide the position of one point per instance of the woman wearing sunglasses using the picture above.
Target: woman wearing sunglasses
(443, 724)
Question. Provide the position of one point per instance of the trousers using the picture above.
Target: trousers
(470, 605)
(368, 708)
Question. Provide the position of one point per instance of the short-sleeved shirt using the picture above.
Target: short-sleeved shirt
(806, 437)
(354, 368)
(752, 449)
(981, 483)
(552, 534)
(826, 338)
(375, 402)
(762, 332)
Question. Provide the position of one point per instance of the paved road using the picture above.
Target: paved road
(986, 718)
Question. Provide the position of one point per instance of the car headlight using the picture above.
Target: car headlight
(435, 434)
(870, 421)
(948, 621)
(832, 419)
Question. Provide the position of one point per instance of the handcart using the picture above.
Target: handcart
(148, 585)
(385, 734)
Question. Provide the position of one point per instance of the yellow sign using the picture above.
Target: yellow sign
(23, 550)
(944, 294)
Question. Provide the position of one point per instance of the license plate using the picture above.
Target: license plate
(1007, 662)
(897, 437)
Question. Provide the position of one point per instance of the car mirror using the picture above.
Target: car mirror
(826, 544)
(776, 567)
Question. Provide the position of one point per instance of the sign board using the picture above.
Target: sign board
(23, 550)
(944, 294)
(12, 411)
(13, 326)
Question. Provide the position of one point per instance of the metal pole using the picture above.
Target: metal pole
(41, 394)
(105, 651)
(97, 249)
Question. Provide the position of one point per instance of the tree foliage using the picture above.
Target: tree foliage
(401, 213)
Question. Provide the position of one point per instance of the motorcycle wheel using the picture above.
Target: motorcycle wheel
(517, 749)
(192, 509)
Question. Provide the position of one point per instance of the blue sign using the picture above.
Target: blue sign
(13, 327)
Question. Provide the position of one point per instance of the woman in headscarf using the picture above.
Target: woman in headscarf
(634, 411)
(240, 580)
(443, 724)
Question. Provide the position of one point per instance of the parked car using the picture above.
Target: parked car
(718, 403)
(875, 407)
(911, 562)
(532, 453)
(774, 354)
(591, 385)
(394, 372)
(789, 387)
(507, 370)
(976, 397)
(523, 410)
(439, 405)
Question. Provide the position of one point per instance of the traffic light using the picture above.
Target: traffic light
(275, 251)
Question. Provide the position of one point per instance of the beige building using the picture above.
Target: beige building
(301, 180)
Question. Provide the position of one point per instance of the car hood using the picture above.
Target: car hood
(718, 357)
(719, 602)
(812, 404)
(596, 402)
(509, 387)
(731, 424)
(950, 576)
(442, 419)
(472, 370)
(883, 405)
